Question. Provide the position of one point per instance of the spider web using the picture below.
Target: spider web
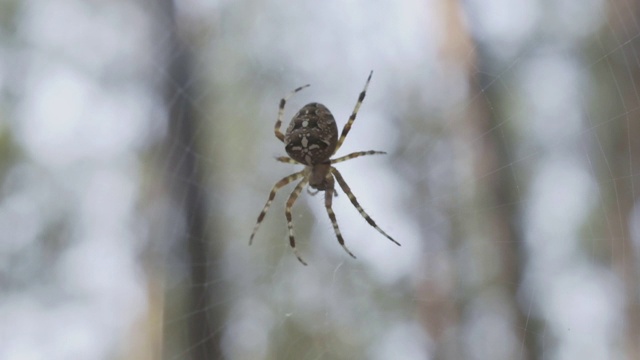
(511, 180)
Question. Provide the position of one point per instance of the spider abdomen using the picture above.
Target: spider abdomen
(312, 135)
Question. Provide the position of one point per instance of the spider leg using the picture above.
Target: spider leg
(354, 201)
(287, 212)
(354, 155)
(286, 160)
(283, 101)
(284, 181)
(328, 198)
(352, 118)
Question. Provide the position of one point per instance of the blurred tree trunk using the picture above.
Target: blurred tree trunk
(442, 314)
(622, 162)
(620, 204)
(447, 314)
(503, 197)
(185, 178)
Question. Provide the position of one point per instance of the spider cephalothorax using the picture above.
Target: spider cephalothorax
(311, 139)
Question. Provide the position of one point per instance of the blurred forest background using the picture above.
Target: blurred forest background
(137, 149)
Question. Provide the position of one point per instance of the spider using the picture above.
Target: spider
(310, 140)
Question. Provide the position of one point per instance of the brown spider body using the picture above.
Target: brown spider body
(312, 135)
(311, 139)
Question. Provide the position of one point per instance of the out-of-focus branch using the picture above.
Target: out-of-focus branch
(185, 180)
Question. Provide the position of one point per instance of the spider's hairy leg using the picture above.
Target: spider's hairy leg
(354, 201)
(356, 154)
(286, 160)
(283, 101)
(352, 118)
(328, 198)
(287, 212)
(284, 181)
